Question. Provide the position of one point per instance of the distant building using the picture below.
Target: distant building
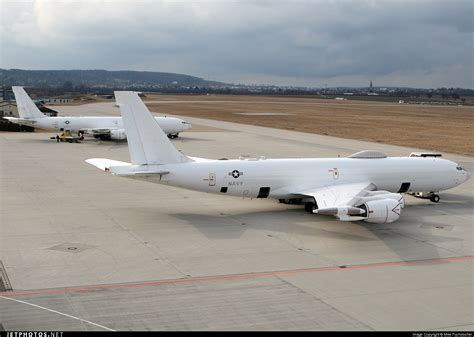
(7, 94)
(8, 106)
(104, 95)
(57, 100)
(47, 111)
(8, 109)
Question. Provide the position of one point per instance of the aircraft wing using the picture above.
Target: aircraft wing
(339, 195)
(356, 201)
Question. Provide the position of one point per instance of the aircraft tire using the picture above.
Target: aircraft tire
(434, 198)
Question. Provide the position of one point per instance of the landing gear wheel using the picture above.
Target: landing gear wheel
(310, 207)
(434, 198)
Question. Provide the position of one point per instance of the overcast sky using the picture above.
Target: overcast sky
(291, 42)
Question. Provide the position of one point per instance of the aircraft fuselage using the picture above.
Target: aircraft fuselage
(282, 177)
(170, 125)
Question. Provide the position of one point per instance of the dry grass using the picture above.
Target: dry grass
(438, 128)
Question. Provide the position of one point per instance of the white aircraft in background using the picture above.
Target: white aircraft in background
(102, 127)
(365, 186)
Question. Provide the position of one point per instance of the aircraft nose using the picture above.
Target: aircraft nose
(468, 175)
(464, 176)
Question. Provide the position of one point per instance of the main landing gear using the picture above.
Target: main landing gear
(290, 201)
(431, 195)
(310, 207)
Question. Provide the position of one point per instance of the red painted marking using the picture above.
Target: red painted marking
(230, 277)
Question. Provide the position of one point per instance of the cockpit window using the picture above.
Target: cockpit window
(459, 168)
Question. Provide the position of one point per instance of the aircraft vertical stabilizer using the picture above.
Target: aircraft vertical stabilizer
(147, 143)
(26, 108)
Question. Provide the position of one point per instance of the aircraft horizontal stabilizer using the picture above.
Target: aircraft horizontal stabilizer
(143, 174)
(21, 121)
(105, 164)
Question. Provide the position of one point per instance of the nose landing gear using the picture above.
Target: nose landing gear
(431, 195)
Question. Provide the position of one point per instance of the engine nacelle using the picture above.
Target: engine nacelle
(118, 135)
(379, 195)
(382, 210)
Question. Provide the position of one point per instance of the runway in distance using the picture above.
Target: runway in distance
(365, 186)
(103, 127)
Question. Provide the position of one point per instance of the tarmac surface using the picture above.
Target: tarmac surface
(83, 250)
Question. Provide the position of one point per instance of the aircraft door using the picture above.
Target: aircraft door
(212, 179)
(334, 172)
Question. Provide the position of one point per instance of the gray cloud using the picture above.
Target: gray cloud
(422, 43)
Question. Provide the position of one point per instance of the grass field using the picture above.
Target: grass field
(437, 128)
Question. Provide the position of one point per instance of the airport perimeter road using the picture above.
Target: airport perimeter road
(84, 250)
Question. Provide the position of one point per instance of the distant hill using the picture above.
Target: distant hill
(98, 79)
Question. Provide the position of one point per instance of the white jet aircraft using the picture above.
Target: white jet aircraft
(102, 127)
(364, 186)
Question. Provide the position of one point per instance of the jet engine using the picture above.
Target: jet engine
(118, 135)
(377, 195)
(382, 211)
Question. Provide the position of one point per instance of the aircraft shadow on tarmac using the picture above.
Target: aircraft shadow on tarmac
(99, 142)
(293, 221)
(457, 200)
(410, 238)
(421, 230)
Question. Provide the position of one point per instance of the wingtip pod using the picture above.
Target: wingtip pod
(26, 107)
(147, 143)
